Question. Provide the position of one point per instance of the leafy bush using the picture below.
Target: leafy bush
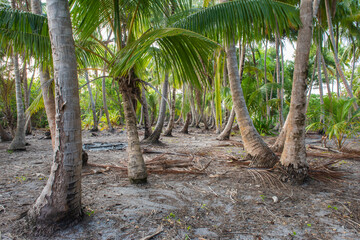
(341, 122)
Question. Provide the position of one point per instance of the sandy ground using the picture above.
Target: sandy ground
(228, 201)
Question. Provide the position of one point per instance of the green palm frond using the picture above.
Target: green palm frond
(185, 51)
(242, 18)
(26, 32)
(36, 105)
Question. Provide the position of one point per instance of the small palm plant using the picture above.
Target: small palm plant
(341, 121)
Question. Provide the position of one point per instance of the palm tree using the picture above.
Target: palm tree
(60, 200)
(230, 16)
(293, 158)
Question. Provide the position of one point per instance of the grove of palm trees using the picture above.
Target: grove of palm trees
(179, 119)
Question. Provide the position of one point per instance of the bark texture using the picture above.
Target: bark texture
(136, 166)
(293, 158)
(59, 204)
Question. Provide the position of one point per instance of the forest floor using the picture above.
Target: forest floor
(198, 189)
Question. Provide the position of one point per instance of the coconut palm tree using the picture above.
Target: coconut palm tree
(60, 201)
(227, 21)
(293, 158)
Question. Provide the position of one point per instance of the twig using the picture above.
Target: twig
(158, 231)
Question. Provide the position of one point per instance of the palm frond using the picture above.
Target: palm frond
(242, 18)
(184, 51)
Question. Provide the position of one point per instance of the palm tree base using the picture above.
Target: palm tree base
(264, 160)
(138, 181)
(296, 175)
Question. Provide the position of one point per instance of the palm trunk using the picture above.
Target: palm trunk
(93, 108)
(60, 200)
(46, 85)
(326, 77)
(5, 137)
(293, 158)
(145, 109)
(353, 65)
(155, 136)
(26, 100)
(185, 128)
(225, 134)
(106, 110)
(18, 143)
(136, 165)
(310, 88)
(260, 153)
(192, 106)
(265, 81)
(321, 90)
(337, 62)
(168, 131)
(279, 91)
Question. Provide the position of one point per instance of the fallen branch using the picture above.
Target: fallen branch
(96, 172)
(323, 148)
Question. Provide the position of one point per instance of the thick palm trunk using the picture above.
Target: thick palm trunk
(168, 131)
(155, 136)
(185, 128)
(60, 200)
(46, 85)
(336, 58)
(136, 165)
(145, 110)
(225, 134)
(5, 137)
(260, 153)
(18, 143)
(92, 102)
(293, 158)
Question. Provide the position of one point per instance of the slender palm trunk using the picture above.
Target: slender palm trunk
(92, 102)
(145, 110)
(18, 143)
(170, 126)
(310, 88)
(155, 136)
(185, 128)
(278, 79)
(254, 145)
(337, 62)
(353, 65)
(46, 85)
(293, 158)
(26, 100)
(225, 134)
(5, 137)
(321, 89)
(265, 82)
(182, 106)
(326, 78)
(60, 200)
(106, 110)
(192, 106)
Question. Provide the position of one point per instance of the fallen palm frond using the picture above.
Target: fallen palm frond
(326, 172)
(160, 165)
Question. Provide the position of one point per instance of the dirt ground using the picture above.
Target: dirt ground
(226, 201)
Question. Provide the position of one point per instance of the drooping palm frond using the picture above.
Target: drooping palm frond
(89, 53)
(25, 32)
(241, 18)
(185, 51)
